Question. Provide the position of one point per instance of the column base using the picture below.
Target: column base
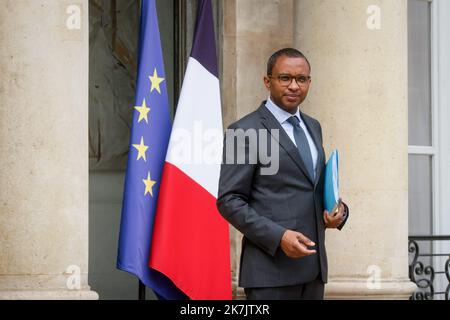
(48, 295)
(44, 287)
(359, 289)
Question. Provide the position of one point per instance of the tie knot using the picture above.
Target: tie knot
(294, 121)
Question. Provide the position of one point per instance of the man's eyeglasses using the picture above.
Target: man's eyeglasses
(286, 79)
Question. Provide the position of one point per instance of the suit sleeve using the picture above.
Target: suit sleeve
(235, 187)
(346, 214)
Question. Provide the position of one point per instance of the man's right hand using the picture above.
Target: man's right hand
(294, 244)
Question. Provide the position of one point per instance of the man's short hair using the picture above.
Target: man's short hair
(289, 52)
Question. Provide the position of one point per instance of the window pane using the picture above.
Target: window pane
(419, 73)
(420, 195)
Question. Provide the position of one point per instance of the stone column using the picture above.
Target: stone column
(252, 31)
(44, 149)
(359, 94)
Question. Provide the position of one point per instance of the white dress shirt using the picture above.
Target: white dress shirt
(282, 116)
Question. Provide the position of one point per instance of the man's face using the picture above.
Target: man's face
(288, 96)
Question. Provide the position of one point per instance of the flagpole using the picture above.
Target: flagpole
(179, 58)
(141, 290)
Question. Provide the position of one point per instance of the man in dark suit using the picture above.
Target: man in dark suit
(280, 213)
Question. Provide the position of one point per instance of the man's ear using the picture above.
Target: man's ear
(266, 80)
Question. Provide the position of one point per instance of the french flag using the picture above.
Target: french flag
(190, 243)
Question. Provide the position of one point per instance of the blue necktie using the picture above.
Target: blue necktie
(302, 145)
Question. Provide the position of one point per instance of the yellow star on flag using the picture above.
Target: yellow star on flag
(141, 148)
(156, 81)
(143, 112)
(149, 183)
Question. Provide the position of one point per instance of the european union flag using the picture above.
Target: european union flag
(150, 135)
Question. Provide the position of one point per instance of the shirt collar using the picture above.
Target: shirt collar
(280, 114)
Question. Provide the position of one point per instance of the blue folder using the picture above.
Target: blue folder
(331, 183)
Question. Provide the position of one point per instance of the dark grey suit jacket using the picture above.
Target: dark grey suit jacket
(262, 207)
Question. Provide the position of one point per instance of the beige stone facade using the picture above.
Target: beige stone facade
(359, 94)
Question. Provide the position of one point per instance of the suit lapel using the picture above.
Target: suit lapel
(314, 132)
(270, 122)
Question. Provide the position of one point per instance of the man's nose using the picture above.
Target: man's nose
(294, 85)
